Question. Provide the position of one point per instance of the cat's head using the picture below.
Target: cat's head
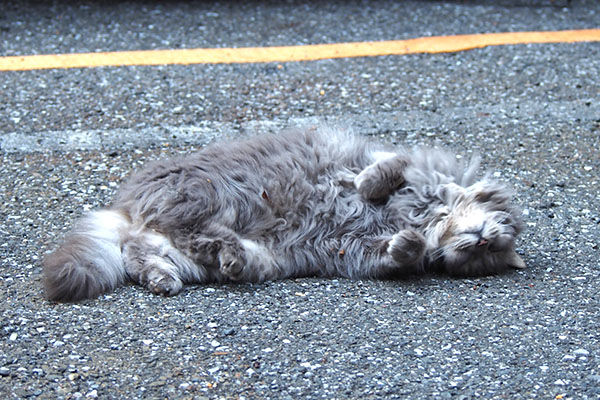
(473, 232)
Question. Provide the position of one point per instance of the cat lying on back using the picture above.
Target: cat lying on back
(309, 202)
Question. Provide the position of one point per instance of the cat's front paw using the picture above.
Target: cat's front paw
(407, 247)
(369, 185)
(380, 179)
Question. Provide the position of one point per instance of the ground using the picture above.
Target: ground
(68, 137)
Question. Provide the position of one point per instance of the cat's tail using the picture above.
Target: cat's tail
(89, 262)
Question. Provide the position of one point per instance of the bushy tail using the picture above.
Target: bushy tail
(89, 262)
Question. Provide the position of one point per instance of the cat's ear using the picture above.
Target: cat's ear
(515, 261)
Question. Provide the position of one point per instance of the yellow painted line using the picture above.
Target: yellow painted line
(433, 44)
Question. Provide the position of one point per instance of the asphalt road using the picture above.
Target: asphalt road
(68, 137)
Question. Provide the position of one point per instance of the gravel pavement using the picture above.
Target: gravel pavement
(68, 137)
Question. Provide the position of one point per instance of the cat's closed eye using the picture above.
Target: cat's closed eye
(484, 197)
(498, 198)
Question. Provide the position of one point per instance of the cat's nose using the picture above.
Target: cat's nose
(482, 242)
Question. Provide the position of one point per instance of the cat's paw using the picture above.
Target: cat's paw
(380, 179)
(231, 262)
(368, 184)
(407, 247)
(163, 282)
(209, 248)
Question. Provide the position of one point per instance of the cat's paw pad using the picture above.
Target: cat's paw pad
(407, 247)
(163, 283)
(231, 263)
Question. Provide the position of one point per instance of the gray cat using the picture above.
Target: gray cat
(307, 202)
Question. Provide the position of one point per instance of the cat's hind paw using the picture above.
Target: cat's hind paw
(162, 282)
(407, 247)
(231, 263)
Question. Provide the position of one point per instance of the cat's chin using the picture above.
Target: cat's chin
(465, 263)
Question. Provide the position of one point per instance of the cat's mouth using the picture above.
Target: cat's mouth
(483, 245)
(474, 245)
(478, 242)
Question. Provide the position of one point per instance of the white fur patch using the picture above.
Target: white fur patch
(104, 228)
(252, 247)
(157, 240)
(105, 225)
(261, 261)
(380, 156)
(471, 219)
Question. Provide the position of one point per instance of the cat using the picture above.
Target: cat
(314, 201)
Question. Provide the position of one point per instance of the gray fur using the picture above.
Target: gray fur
(307, 202)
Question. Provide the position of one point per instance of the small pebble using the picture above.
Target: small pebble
(229, 332)
(581, 352)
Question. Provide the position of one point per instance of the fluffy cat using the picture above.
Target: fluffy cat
(307, 202)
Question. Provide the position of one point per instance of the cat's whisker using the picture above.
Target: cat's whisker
(436, 254)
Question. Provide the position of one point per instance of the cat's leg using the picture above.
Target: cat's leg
(234, 257)
(152, 261)
(399, 254)
(381, 178)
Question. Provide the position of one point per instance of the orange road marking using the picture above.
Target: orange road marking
(433, 44)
